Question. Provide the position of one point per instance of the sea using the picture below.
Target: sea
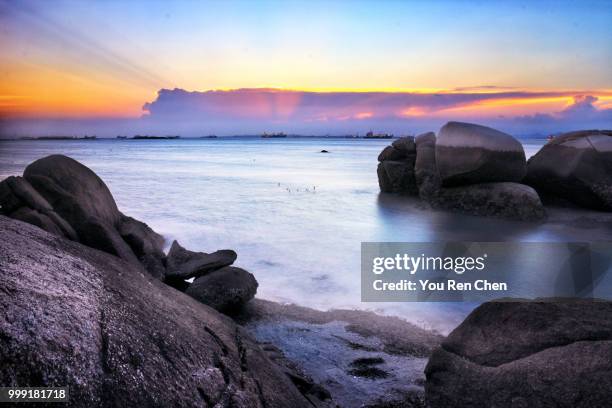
(295, 216)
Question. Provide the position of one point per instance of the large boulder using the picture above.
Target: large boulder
(77, 317)
(396, 167)
(74, 191)
(81, 205)
(526, 354)
(505, 200)
(225, 290)
(576, 166)
(467, 154)
(183, 264)
(425, 170)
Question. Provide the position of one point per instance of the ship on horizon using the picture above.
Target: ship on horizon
(266, 135)
(372, 135)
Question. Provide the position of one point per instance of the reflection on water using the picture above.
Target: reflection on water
(295, 216)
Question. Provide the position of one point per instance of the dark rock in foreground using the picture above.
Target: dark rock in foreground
(526, 354)
(184, 264)
(576, 166)
(78, 317)
(467, 154)
(64, 197)
(225, 290)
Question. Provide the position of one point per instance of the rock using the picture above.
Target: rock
(397, 176)
(73, 190)
(400, 149)
(21, 201)
(225, 290)
(146, 244)
(576, 166)
(467, 153)
(184, 264)
(79, 196)
(73, 316)
(405, 144)
(324, 151)
(506, 200)
(425, 169)
(97, 234)
(34, 217)
(390, 153)
(24, 195)
(524, 354)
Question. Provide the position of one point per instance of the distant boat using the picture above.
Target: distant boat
(273, 135)
(371, 135)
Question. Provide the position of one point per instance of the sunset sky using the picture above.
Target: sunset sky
(327, 67)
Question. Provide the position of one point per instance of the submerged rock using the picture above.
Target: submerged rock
(184, 264)
(467, 153)
(576, 166)
(527, 354)
(77, 317)
(225, 290)
(505, 200)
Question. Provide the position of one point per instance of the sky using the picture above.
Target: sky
(329, 67)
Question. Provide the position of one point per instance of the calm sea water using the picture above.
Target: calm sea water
(295, 216)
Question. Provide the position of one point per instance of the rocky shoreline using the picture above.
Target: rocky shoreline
(90, 300)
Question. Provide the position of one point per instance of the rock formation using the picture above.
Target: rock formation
(65, 198)
(74, 316)
(576, 166)
(526, 354)
(396, 167)
(468, 168)
(468, 154)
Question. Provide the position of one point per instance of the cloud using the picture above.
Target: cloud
(580, 114)
(253, 111)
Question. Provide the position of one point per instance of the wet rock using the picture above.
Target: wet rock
(509, 354)
(77, 317)
(425, 170)
(367, 367)
(505, 200)
(576, 166)
(185, 264)
(225, 290)
(467, 154)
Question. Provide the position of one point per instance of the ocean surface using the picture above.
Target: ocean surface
(295, 216)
